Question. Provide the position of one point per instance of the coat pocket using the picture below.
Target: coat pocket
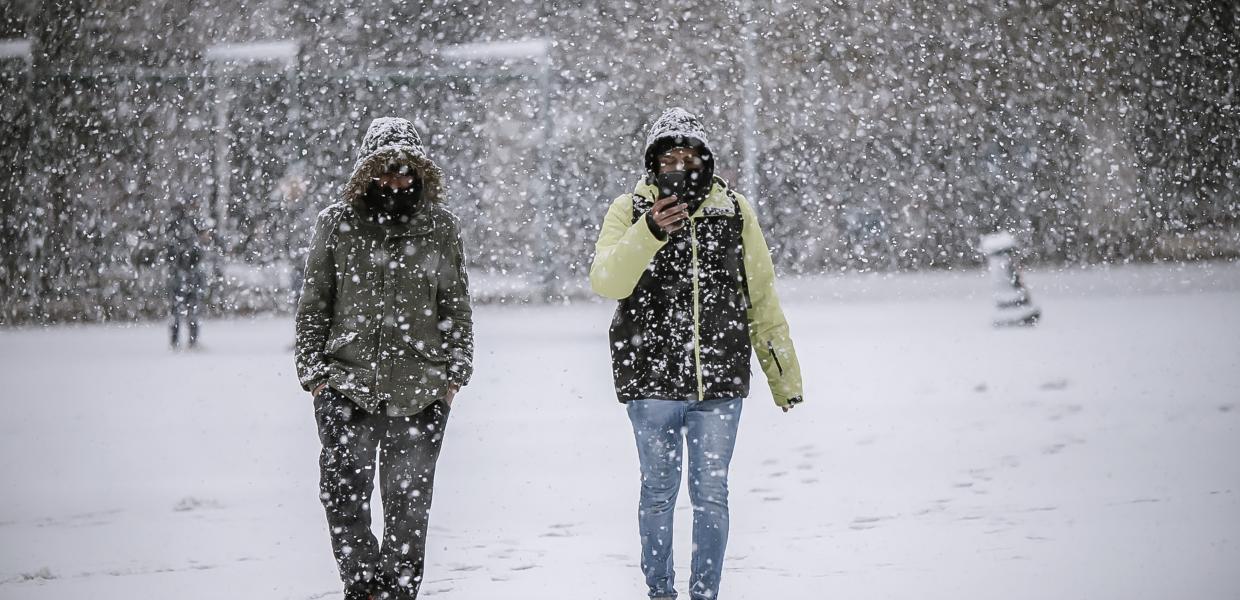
(420, 371)
(427, 352)
(340, 341)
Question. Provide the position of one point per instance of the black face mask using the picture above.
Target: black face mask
(672, 183)
(689, 186)
(388, 204)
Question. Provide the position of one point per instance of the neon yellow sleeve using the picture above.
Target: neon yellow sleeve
(768, 329)
(623, 251)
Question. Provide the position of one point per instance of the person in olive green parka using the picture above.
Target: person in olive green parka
(384, 340)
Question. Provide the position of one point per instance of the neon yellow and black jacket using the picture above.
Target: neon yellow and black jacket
(692, 306)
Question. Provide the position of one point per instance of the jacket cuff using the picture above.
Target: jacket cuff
(458, 375)
(309, 384)
(655, 230)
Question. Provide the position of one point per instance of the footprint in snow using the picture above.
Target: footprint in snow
(190, 503)
(869, 519)
(863, 523)
(1054, 385)
(559, 530)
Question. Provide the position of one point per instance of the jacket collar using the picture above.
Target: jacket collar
(421, 224)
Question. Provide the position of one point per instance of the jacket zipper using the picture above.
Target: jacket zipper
(697, 342)
(380, 360)
(771, 348)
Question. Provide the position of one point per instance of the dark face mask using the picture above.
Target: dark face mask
(672, 183)
(396, 205)
(690, 186)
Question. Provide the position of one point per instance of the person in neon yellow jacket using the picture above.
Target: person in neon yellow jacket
(686, 259)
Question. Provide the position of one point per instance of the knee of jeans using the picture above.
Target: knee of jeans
(661, 488)
(708, 490)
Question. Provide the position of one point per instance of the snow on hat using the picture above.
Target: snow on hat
(676, 127)
(392, 139)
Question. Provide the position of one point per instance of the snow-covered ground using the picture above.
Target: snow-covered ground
(1095, 457)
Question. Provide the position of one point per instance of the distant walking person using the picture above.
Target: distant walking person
(384, 342)
(685, 257)
(292, 233)
(187, 242)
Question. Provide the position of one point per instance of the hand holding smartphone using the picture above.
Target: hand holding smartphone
(669, 213)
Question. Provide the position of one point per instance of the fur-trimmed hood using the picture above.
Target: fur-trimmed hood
(392, 139)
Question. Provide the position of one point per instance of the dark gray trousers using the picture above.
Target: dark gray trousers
(407, 449)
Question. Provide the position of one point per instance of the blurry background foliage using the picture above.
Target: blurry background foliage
(887, 135)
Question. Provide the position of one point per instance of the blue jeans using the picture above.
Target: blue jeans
(660, 427)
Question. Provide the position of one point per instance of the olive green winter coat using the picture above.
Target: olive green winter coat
(384, 316)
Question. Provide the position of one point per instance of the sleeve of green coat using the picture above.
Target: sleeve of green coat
(623, 251)
(456, 314)
(768, 329)
(317, 304)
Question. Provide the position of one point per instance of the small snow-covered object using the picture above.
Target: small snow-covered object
(1013, 306)
(997, 242)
